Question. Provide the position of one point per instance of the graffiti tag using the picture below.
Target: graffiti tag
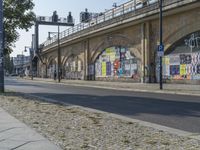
(193, 42)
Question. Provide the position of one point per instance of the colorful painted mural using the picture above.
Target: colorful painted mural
(183, 59)
(116, 62)
(182, 66)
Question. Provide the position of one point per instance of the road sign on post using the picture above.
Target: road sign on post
(160, 51)
(1, 48)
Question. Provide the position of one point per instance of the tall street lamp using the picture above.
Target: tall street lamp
(31, 56)
(22, 65)
(59, 71)
(161, 46)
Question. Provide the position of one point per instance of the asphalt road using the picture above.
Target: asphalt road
(176, 111)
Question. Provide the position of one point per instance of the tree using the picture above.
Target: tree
(18, 14)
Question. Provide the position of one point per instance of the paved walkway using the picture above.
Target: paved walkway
(15, 135)
(184, 89)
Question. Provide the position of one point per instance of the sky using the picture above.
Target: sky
(46, 8)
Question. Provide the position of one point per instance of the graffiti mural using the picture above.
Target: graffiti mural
(73, 69)
(183, 61)
(188, 44)
(187, 68)
(117, 62)
(193, 42)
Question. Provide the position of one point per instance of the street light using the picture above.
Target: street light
(59, 56)
(31, 63)
(161, 43)
(55, 19)
(22, 65)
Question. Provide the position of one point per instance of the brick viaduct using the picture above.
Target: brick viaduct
(137, 31)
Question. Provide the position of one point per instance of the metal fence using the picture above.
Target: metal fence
(135, 6)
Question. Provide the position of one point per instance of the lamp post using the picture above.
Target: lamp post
(1, 49)
(31, 63)
(23, 62)
(59, 55)
(22, 67)
(161, 47)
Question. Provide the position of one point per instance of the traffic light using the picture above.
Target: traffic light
(55, 17)
(70, 18)
(85, 16)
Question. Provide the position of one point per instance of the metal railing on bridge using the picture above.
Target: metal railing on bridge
(129, 7)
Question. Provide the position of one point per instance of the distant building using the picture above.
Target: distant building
(21, 64)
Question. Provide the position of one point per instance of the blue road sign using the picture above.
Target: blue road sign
(160, 51)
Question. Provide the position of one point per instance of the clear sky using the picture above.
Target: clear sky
(46, 8)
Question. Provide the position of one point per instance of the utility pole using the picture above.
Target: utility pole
(59, 56)
(31, 54)
(1, 49)
(161, 46)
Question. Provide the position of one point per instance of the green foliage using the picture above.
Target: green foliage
(18, 14)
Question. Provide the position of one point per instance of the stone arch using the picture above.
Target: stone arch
(184, 44)
(51, 67)
(73, 67)
(67, 54)
(35, 66)
(180, 33)
(113, 40)
(65, 59)
(116, 58)
(181, 55)
(50, 59)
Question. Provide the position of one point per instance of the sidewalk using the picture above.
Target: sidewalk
(15, 135)
(183, 89)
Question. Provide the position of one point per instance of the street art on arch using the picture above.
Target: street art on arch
(187, 44)
(187, 68)
(182, 60)
(116, 62)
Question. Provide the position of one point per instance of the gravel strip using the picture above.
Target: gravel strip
(73, 128)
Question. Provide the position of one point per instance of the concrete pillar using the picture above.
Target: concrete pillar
(86, 59)
(145, 52)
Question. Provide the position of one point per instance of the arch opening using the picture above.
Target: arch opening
(35, 64)
(116, 63)
(182, 59)
(73, 68)
(52, 69)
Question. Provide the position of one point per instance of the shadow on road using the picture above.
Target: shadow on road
(129, 105)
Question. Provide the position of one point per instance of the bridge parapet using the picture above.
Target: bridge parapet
(127, 12)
